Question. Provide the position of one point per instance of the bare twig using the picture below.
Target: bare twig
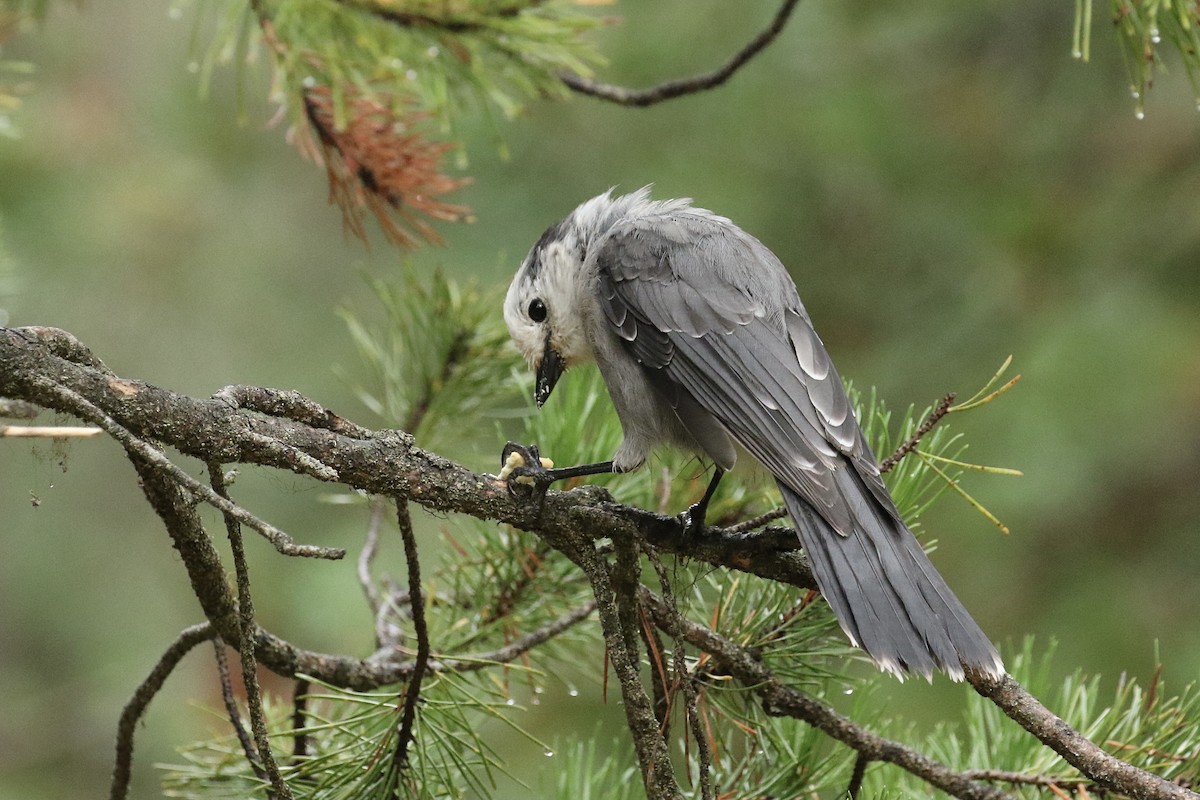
(683, 681)
(367, 555)
(136, 707)
(64, 345)
(17, 409)
(856, 776)
(412, 692)
(245, 640)
(660, 681)
(515, 649)
(231, 710)
(615, 588)
(86, 410)
(300, 720)
(759, 521)
(289, 404)
(939, 411)
(47, 432)
(1026, 778)
(669, 90)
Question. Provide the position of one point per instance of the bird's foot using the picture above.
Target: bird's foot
(692, 520)
(525, 472)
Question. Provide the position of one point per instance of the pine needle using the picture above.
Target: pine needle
(954, 485)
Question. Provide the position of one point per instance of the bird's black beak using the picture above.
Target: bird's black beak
(548, 373)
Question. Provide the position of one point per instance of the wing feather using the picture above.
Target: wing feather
(714, 318)
(751, 361)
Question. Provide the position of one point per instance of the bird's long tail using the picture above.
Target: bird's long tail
(885, 592)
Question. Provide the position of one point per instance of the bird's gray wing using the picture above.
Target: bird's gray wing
(711, 310)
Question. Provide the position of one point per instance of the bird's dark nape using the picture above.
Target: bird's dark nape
(888, 597)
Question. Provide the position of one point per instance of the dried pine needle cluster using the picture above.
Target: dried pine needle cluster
(380, 162)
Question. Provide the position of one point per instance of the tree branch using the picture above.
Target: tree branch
(669, 90)
(781, 700)
(377, 462)
(1075, 748)
(615, 589)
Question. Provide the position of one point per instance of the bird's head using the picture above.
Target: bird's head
(542, 309)
(548, 302)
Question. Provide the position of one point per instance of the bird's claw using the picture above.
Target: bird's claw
(692, 520)
(523, 472)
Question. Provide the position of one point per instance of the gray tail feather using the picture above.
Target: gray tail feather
(885, 592)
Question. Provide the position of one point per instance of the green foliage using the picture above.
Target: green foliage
(438, 356)
(1143, 725)
(440, 57)
(1144, 31)
(350, 738)
(588, 774)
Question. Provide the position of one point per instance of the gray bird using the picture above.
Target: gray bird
(702, 342)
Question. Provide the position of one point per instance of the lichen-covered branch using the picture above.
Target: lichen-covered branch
(378, 462)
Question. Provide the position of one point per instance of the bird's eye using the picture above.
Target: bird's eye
(537, 310)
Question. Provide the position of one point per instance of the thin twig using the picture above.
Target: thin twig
(300, 720)
(856, 777)
(759, 521)
(289, 404)
(515, 649)
(247, 628)
(939, 411)
(671, 89)
(365, 557)
(683, 680)
(137, 704)
(412, 692)
(231, 710)
(615, 589)
(660, 682)
(86, 410)
(1025, 778)
(48, 432)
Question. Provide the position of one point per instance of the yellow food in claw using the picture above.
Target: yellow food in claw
(515, 460)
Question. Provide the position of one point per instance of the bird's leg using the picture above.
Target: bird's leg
(538, 476)
(693, 518)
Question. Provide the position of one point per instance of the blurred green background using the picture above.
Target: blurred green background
(947, 185)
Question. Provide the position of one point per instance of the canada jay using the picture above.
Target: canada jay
(702, 342)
